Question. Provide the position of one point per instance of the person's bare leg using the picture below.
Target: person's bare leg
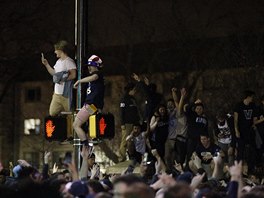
(77, 125)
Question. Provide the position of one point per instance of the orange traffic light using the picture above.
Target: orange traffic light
(102, 125)
(55, 128)
(49, 128)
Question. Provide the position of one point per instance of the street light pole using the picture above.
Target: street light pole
(79, 43)
(79, 37)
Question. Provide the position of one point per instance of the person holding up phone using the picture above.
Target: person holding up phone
(63, 72)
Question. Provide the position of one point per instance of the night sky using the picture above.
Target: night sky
(133, 35)
(142, 36)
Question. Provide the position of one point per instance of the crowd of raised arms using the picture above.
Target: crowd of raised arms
(176, 153)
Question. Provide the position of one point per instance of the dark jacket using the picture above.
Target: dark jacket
(129, 110)
(197, 124)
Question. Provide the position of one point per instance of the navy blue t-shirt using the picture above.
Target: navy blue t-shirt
(245, 119)
(211, 151)
(95, 91)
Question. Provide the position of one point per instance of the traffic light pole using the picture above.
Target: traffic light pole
(79, 37)
(80, 13)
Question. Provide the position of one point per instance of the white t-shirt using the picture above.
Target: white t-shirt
(224, 136)
(181, 125)
(62, 65)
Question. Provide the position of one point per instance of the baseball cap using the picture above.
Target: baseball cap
(94, 61)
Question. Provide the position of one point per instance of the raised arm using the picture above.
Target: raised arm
(45, 169)
(86, 80)
(148, 129)
(183, 95)
(142, 85)
(146, 81)
(236, 125)
(160, 167)
(135, 77)
(236, 184)
(153, 122)
(84, 167)
(218, 166)
(47, 65)
(175, 97)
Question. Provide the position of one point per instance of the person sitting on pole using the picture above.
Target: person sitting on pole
(94, 100)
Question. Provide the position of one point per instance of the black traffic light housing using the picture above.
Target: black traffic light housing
(55, 128)
(102, 126)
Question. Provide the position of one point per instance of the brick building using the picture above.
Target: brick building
(25, 105)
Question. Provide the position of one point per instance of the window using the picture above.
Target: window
(31, 126)
(33, 94)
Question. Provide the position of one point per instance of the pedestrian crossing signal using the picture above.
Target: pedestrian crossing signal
(55, 128)
(102, 126)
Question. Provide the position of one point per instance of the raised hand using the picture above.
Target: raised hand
(178, 166)
(183, 92)
(163, 181)
(236, 169)
(173, 89)
(43, 60)
(218, 159)
(146, 80)
(135, 77)
(197, 161)
(46, 157)
(55, 168)
(155, 153)
(196, 180)
(198, 101)
(95, 172)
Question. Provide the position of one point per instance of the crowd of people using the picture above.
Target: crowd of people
(177, 153)
(152, 181)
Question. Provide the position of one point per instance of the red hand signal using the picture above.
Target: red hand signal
(50, 128)
(102, 126)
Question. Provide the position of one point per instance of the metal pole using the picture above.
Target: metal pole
(79, 40)
(79, 46)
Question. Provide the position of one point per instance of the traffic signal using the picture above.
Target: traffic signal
(102, 126)
(55, 128)
(59, 128)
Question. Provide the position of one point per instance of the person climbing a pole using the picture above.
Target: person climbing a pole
(94, 101)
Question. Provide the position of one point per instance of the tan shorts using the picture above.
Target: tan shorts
(58, 104)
